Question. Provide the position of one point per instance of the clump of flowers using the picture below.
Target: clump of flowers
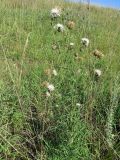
(59, 27)
(71, 24)
(55, 12)
(85, 42)
(97, 72)
(98, 53)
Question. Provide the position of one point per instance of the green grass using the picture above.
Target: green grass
(35, 127)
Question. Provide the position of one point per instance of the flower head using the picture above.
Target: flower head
(98, 53)
(59, 27)
(54, 72)
(55, 12)
(48, 72)
(98, 72)
(50, 87)
(70, 24)
(85, 42)
(78, 104)
(71, 45)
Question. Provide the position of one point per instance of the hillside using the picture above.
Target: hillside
(59, 93)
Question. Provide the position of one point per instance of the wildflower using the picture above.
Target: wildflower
(55, 12)
(98, 72)
(70, 24)
(85, 42)
(50, 87)
(78, 104)
(48, 94)
(97, 54)
(59, 27)
(54, 72)
(71, 45)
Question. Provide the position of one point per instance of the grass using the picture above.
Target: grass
(33, 126)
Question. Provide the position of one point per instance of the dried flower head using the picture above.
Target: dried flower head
(85, 42)
(71, 24)
(59, 27)
(48, 72)
(50, 87)
(97, 72)
(97, 53)
(55, 12)
(44, 84)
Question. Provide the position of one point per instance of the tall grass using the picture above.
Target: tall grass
(33, 126)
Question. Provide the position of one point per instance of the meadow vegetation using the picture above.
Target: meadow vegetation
(80, 118)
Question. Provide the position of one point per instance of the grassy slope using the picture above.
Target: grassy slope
(33, 127)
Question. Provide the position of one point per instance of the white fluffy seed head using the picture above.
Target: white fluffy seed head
(72, 44)
(50, 87)
(98, 72)
(78, 104)
(55, 72)
(55, 12)
(85, 42)
(59, 27)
